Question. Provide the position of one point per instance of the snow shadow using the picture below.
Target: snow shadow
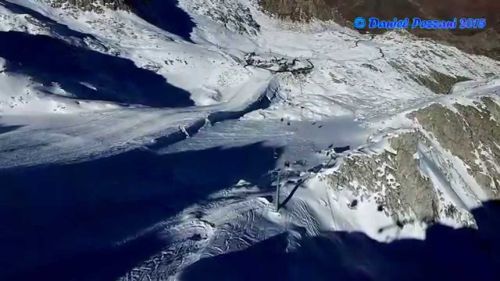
(445, 254)
(87, 74)
(165, 14)
(6, 129)
(64, 222)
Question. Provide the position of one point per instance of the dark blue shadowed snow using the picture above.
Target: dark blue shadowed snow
(445, 254)
(87, 74)
(165, 14)
(6, 129)
(61, 222)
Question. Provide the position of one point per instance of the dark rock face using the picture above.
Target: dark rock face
(302, 10)
(94, 4)
(344, 11)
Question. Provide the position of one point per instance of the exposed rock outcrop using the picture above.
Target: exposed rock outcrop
(231, 14)
(94, 5)
(412, 179)
(302, 10)
(279, 64)
(472, 133)
(403, 191)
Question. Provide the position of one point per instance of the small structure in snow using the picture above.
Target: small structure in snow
(353, 204)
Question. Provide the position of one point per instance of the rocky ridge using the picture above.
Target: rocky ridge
(445, 139)
(93, 5)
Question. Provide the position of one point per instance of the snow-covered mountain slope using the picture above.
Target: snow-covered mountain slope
(385, 135)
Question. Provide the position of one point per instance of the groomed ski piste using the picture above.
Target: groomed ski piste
(238, 126)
